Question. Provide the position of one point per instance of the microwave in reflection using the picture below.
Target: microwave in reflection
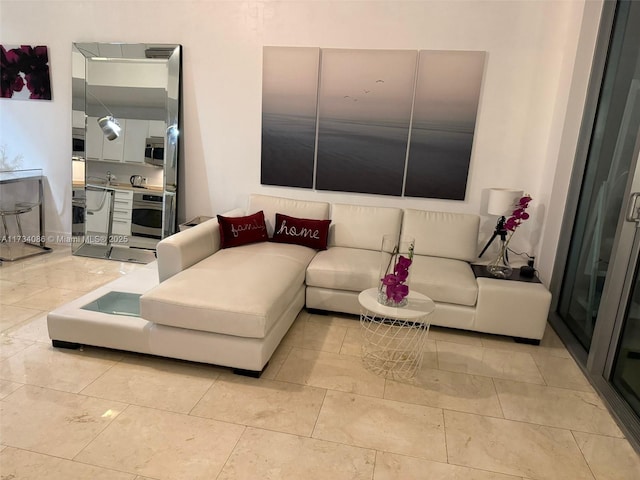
(154, 151)
(77, 138)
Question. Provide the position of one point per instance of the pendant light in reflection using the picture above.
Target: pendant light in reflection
(110, 127)
(108, 124)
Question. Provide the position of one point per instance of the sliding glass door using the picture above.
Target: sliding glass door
(614, 358)
(605, 179)
(625, 362)
(598, 309)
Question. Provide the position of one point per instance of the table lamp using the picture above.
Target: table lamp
(502, 201)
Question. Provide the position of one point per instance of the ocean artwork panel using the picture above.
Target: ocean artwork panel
(444, 118)
(363, 120)
(24, 72)
(289, 103)
(388, 122)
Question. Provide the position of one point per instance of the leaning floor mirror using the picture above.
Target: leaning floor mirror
(125, 134)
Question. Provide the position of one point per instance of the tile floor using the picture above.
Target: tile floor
(482, 407)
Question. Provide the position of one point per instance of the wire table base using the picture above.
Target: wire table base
(391, 347)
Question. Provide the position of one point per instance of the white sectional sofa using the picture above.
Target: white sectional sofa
(232, 306)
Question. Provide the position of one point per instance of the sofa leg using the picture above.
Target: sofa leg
(63, 344)
(316, 311)
(528, 341)
(250, 373)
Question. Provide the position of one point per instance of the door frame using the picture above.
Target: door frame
(594, 91)
(597, 363)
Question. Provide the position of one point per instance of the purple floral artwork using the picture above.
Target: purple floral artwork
(24, 72)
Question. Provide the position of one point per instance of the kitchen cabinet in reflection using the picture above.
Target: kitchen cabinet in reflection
(134, 142)
(130, 146)
(122, 206)
(98, 214)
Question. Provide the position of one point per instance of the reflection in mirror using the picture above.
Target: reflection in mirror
(125, 107)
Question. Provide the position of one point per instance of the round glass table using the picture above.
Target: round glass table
(394, 337)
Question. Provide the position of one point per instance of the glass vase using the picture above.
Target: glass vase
(396, 257)
(500, 267)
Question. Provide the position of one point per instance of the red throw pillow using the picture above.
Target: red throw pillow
(236, 231)
(301, 231)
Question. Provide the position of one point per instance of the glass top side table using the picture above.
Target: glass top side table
(21, 191)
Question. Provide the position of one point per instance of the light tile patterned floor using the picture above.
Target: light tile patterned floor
(481, 408)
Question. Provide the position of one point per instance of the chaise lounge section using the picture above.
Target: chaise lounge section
(245, 298)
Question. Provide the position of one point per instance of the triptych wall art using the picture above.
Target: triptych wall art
(390, 122)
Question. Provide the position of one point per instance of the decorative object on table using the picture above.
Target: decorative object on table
(25, 72)
(500, 267)
(396, 258)
(501, 203)
(9, 164)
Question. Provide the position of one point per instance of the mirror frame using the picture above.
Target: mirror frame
(119, 52)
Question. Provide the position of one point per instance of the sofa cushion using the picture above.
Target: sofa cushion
(288, 206)
(359, 226)
(343, 268)
(301, 231)
(240, 291)
(442, 234)
(443, 280)
(236, 231)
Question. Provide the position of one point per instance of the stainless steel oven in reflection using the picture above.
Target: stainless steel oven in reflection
(146, 215)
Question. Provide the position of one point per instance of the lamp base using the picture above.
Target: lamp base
(499, 271)
(500, 231)
(499, 267)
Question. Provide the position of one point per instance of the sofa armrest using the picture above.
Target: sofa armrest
(181, 250)
(500, 300)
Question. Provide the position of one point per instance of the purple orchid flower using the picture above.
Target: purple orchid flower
(518, 215)
(396, 289)
(401, 269)
(397, 292)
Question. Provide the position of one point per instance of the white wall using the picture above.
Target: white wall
(532, 48)
(563, 139)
